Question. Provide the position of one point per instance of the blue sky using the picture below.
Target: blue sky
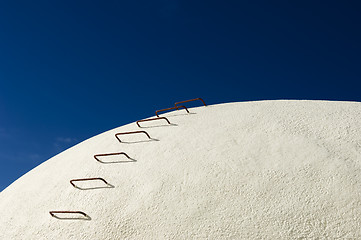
(72, 69)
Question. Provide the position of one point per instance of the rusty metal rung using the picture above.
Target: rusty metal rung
(152, 119)
(123, 133)
(109, 154)
(52, 213)
(172, 108)
(86, 179)
(190, 101)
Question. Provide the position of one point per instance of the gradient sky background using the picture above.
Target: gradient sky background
(72, 69)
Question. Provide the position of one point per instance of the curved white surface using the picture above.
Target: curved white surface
(251, 170)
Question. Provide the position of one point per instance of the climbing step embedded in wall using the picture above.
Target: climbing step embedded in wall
(191, 100)
(172, 108)
(90, 183)
(113, 158)
(133, 140)
(152, 119)
(70, 215)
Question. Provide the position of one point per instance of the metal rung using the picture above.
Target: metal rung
(110, 154)
(172, 108)
(190, 101)
(152, 119)
(86, 179)
(53, 214)
(123, 133)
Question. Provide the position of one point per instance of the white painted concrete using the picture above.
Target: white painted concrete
(251, 170)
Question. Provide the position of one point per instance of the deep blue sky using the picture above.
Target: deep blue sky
(72, 69)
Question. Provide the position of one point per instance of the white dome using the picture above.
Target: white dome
(251, 170)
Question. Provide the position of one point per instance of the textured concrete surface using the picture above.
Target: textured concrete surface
(250, 170)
